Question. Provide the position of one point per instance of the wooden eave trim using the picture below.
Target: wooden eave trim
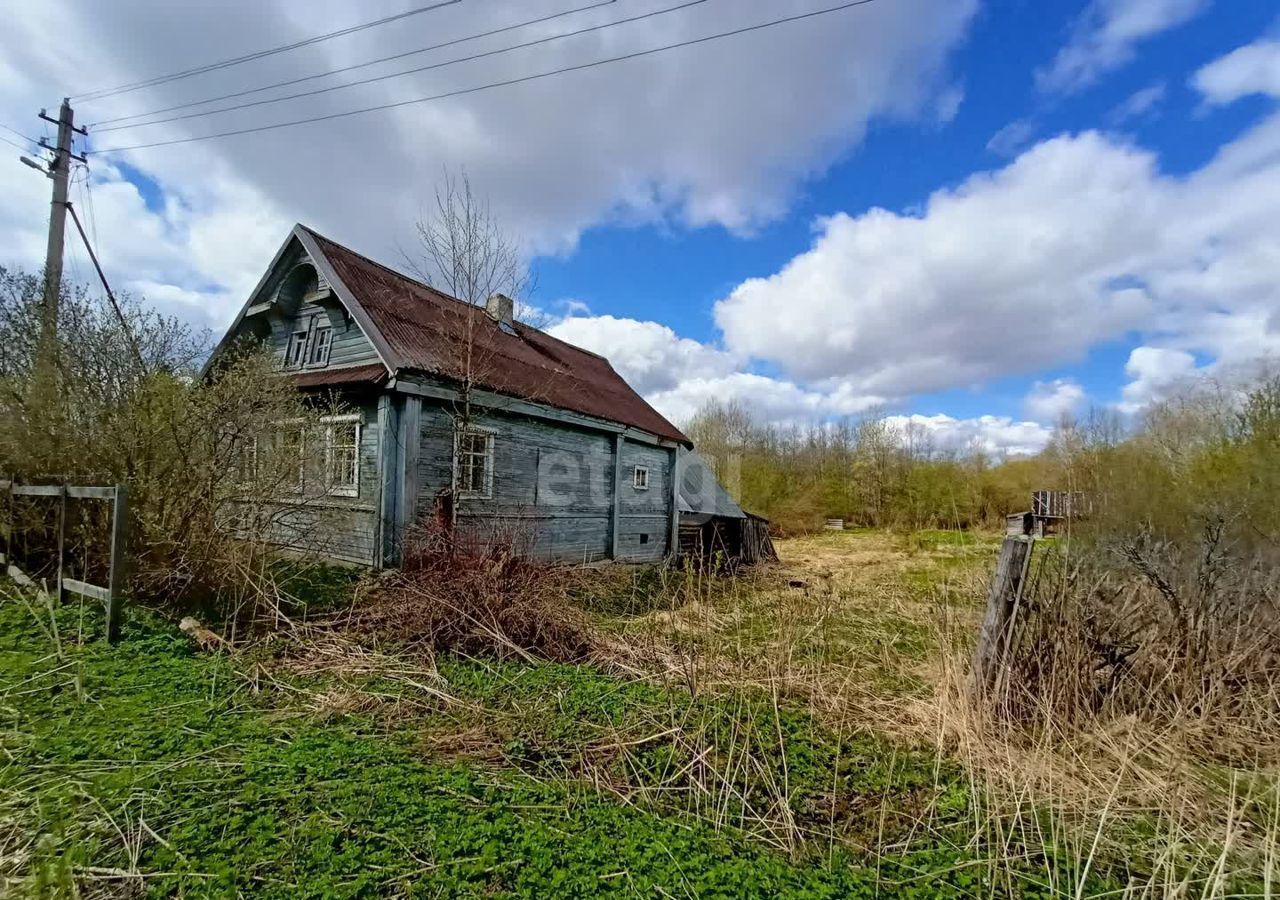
(507, 403)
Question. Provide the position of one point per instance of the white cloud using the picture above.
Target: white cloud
(679, 375)
(626, 142)
(1252, 69)
(1012, 137)
(772, 400)
(650, 356)
(1140, 103)
(1080, 240)
(1105, 35)
(1050, 401)
(998, 435)
(1154, 370)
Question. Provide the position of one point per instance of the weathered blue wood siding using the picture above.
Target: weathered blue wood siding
(340, 527)
(552, 486)
(644, 521)
(351, 346)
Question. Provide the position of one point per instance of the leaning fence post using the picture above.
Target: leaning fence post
(119, 545)
(1006, 589)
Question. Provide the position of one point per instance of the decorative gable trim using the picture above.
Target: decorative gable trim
(329, 277)
(262, 300)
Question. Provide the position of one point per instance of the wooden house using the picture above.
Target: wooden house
(554, 442)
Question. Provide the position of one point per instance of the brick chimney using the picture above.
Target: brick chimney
(501, 309)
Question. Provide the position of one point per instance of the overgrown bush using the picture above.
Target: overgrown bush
(478, 594)
(218, 469)
(1163, 605)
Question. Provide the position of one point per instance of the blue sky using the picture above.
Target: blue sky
(675, 275)
(973, 215)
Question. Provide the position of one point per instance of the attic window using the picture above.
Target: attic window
(640, 478)
(296, 351)
(321, 341)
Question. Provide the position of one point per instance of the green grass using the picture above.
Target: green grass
(201, 777)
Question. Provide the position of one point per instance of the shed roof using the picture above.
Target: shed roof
(426, 331)
(701, 492)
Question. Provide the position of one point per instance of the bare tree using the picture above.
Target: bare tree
(465, 253)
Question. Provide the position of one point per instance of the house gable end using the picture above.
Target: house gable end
(307, 322)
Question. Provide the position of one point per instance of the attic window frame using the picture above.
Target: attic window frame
(318, 352)
(640, 478)
(292, 359)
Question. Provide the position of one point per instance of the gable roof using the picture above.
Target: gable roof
(417, 329)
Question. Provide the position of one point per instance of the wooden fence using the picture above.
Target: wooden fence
(110, 594)
(1004, 599)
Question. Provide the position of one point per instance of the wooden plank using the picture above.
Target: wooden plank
(673, 539)
(410, 432)
(19, 576)
(37, 490)
(62, 540)
(119, 561)
(388, 469)
(1002, 601)
(616, 500)
(509, 404)
(75, 492)
(91, 493)
(72, 586)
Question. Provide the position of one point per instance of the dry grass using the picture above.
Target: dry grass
(874, 631)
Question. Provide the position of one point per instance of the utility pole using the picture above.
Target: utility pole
(60, 172)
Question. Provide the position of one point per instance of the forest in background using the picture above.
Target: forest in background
(875, 472)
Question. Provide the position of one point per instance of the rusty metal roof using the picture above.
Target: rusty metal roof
(430, 332)
(374, 374)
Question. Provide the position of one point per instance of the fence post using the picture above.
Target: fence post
(62, 538)
(8, 534)
(119, 546)
(1002, 602)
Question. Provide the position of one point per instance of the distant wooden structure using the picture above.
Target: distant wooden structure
(834, 525)
(1049, 509)
(714, 529)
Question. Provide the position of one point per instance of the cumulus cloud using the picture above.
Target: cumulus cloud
(1252, 69)
(1154, 372)
(651, 356)
(621, 143)
(999, 435)
(1080, 240)
(1050, 401)
(1105, 35)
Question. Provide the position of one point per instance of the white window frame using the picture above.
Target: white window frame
(246, 453)
(317, 353)
(298, 427)
(640, 478)
(330, 424)
(297, 339)
(489, 434)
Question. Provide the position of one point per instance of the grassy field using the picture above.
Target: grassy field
(771, 735)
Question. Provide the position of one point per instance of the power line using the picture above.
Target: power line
(14, 131)
(414, 71)
(260, 54)
(124, 322)
(15, 144)
(363, 65)
(495, 84)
